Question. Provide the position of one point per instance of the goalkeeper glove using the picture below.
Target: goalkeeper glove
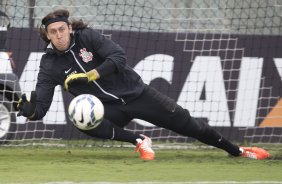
(81, 78)
(27, 108)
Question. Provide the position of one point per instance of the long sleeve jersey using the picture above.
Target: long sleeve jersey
(88, 50)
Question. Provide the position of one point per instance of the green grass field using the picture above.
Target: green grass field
(54, 164)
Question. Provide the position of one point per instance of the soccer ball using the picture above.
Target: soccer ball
(86, 111)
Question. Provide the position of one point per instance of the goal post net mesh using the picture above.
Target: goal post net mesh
(219, 59)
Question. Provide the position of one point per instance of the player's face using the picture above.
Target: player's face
(59, 34)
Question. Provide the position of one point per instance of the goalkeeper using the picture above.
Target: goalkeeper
(85, 62)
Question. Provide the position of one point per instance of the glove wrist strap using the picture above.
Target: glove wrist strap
(92, 75)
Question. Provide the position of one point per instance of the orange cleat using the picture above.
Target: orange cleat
(145, 148)
(254, 153)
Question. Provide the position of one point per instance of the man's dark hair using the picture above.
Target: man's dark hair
(61, 13)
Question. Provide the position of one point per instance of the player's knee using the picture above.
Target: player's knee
(198, 127)
(187, 125)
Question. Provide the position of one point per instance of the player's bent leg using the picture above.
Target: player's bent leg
(108, 130)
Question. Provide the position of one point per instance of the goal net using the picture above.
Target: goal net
(220, 59)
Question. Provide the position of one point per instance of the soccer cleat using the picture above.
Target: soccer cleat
(254, 153)
(145, 148)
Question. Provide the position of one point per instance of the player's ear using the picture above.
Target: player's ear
(70, 28)
(47, 35)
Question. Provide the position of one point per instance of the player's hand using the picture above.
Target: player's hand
(27, 108)
(81, 78)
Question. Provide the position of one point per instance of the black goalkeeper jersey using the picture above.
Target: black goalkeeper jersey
(88, 50)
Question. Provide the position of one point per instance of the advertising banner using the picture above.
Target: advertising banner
(232, 81)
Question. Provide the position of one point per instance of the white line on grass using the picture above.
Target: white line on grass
(196, 182)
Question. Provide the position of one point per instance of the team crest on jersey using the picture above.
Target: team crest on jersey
(86, 56)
